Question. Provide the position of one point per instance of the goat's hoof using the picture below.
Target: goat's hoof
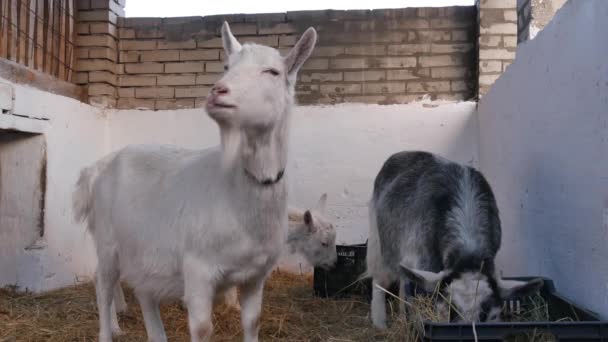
(380, 325)
(235, 307)
(104, 338)
(117, 332)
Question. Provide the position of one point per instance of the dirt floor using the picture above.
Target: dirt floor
(290, 313)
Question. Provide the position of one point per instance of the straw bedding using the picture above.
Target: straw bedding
(290, 313)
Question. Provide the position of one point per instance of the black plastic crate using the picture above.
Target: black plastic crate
(341, 280)
(586, 326)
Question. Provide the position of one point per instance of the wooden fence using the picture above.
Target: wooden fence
(39, 34)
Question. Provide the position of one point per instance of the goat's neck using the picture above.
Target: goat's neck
(295, 235)
(263, 152)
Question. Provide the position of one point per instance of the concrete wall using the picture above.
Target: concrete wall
(21, 199)
(335, 149)
(74, 135)
(544, 148)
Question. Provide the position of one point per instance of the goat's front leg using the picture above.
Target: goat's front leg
(118, 305)
(199, 293)
(231, 298)
(251, 308)
(105, 278)
(378, 305)
(151, 312)
(404, 294)
(119, 298)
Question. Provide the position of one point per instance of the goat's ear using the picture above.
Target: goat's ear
(308, 218)
(516, 288)
(424, 279)
(322, 204)
(309, 222)
(231, 45)
(301, 51)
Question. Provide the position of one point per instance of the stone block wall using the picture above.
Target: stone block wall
(371, 56)
(379, 56)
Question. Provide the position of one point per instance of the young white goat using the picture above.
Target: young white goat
(310, 234)
(176, 223)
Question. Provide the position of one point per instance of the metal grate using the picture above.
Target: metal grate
(39, 34)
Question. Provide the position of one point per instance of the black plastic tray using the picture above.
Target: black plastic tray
(586, 327)
(342, 281)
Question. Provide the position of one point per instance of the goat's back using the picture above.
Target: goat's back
(429, 211)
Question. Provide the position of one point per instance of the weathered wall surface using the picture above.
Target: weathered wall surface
(21, 199)
(544, 148)
(379, 56)
(74, 135)
(334, 149)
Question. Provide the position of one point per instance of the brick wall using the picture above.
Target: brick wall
(497, 39)
(379, 56)
(97, 49)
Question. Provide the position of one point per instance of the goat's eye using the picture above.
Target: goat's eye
(225, 67)
(324, 244)
(273, 72)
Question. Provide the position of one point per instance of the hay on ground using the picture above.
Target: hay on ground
(291, 312)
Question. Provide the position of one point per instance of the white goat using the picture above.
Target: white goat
(311, 235)
(176, 223)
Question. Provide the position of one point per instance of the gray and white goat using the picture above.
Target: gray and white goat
(177, 223)
(435, 223)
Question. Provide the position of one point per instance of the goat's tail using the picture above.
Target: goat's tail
(82, 196)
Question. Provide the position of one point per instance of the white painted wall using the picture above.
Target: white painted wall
(75, 135)
(334, 149)
(544, 148)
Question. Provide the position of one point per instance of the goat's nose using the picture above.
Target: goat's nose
(220, 89)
